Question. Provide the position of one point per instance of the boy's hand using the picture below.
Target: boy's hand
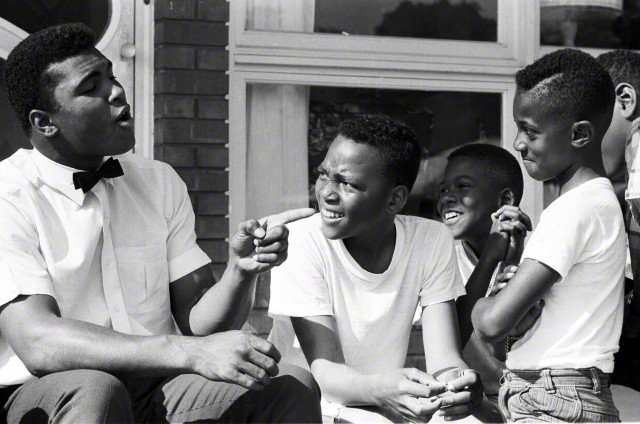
(463, 396)
(531, 317)
(261, 245)
(410, 393)
(511, 222)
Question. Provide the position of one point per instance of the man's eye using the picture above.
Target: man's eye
(443, 190)
(89, 88)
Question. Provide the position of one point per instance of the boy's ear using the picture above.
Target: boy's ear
(399, 198)
(581, 134)
(626, 98)
(41, 122)
(507, 198)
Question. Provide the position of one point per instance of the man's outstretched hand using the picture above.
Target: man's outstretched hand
(260, 245)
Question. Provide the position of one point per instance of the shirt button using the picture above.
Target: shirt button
(107, 262)
(116, 309)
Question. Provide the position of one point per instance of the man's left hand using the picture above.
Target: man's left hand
(260, 245)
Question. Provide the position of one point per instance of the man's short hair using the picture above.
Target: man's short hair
(571, 83)
(623, 66)
(500, 166)
(396, 143)
(29, 85)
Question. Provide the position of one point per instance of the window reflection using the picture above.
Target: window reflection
(610, 27)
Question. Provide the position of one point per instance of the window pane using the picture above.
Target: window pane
(32, 15)
(442, 121)
(612, 27)
(470, 20)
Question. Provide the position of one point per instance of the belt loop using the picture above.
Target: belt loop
(595, 378)
(547, 381)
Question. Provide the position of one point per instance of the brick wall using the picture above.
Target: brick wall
(191, 110)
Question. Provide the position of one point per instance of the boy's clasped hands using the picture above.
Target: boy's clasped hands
(417, 396)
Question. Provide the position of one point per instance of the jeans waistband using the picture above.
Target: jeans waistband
(593, 378)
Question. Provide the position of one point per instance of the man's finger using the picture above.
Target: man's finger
(286, 217)
(457, 398)
(274, 233)
(252, 228)
(263, 346)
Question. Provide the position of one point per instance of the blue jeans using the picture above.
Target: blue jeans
(557, 395)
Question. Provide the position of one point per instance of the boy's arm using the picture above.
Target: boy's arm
(397, 391)
(495, 317)
(444, 358)
(505, 243)
(479, 281)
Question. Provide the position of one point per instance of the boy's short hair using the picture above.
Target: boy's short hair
(500, 166)
(396, 143)
(29, 85)
(572, 83)
(623, 66)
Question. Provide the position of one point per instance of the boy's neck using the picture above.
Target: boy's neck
(476, 245)
(589, 168)
(373, 251)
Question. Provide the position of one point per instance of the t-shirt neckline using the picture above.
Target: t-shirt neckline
(352, 265)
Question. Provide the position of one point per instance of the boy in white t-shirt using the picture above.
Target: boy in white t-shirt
(356, 273)
(574, 260)
(478, 180)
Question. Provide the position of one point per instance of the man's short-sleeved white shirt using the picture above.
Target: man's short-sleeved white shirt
(581, 236)
(51, 242)
(373, 312)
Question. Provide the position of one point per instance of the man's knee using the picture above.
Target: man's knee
(74, 396)
(298, 395)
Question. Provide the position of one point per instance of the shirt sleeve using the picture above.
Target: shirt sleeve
(23, 270)
(183, 253)
(442, 280)
(561, 236)
(298, 288)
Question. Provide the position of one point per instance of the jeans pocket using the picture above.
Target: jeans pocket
(599, 407)
(564, 404)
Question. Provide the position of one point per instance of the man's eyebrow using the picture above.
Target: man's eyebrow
(96, 72)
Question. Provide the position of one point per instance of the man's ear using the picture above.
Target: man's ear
(582, 133)
(626, 98)
(398, 199)
(507, 198)
(41, 122)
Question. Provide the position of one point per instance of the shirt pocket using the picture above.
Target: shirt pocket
(144, 276)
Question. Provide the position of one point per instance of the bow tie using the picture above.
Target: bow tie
(86, 180)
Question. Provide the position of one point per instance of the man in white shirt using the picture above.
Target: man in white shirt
(357, 273)
(102, 284)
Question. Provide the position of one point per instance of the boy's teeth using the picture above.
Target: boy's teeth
(451, 215)
(330, 214)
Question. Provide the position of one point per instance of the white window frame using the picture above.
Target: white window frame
(376, 62)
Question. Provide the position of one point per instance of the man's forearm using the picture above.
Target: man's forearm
(66, 344)
(226, 305)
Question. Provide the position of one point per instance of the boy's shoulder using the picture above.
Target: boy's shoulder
(417, 226)
(592, 196)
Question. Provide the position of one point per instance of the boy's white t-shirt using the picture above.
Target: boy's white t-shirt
(373, 312)
(581, 236)
(467, 262)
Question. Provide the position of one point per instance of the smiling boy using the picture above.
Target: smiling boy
(574, 259)
(355, 275)
(478, 180)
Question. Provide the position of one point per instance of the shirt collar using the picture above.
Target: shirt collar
(59, 177)
(634, 127)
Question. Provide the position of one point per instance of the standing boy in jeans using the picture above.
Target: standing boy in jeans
(574, 261)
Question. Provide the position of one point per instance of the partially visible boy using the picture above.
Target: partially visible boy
(574, 260)
(621, 160)
(355, 276)
(479, 179)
